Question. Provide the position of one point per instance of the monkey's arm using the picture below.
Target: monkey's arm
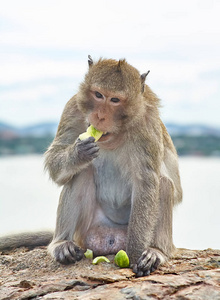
(144, 253)
(145, 208)
(68, 155)
(144, 215)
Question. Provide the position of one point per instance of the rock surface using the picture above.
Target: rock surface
(32, 274)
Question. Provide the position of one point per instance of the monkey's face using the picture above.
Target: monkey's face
(107, 113)
(111, 97)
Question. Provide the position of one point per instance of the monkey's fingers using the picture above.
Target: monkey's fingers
(68, 253)
(87, 146)
(93, 151)
(87, 149)
(89, 139)
(88, 153)
(148, 262)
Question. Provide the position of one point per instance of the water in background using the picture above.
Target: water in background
(28, 200)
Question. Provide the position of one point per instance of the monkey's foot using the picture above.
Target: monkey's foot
(148, 262)
(66, 252)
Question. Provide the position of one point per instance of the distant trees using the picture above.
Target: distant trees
(203, 145)
(25, 145)
(186, 145)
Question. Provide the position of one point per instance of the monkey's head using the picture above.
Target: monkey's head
(111, 96)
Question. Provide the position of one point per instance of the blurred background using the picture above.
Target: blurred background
(43, 57)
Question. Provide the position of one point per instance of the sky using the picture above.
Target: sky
(44, 47)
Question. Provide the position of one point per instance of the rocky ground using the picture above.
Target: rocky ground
(31, 274)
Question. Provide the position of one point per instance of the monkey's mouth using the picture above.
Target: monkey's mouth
(104, 137)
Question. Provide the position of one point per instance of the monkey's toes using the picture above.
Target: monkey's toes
(68, 253)
(148, 262)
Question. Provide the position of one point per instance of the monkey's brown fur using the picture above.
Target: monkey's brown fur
(119, 192)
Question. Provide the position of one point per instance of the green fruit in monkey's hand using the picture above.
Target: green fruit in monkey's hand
(121, 259)
(91, 131)
(99, 259)
(89, 254)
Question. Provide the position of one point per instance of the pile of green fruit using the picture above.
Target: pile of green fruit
(121, 258)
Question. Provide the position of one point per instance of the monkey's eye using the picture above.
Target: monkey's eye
(98, 95)
(115, 100)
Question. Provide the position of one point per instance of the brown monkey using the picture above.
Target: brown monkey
(118, 192)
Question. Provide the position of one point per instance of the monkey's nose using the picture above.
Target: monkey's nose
(101, 116)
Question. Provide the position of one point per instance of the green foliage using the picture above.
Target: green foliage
(204, 145)
(25, 145)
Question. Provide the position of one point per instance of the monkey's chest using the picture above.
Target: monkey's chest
(113, 190)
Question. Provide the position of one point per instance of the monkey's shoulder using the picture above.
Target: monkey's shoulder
(167, 140)
(71, 107)
(72, 118)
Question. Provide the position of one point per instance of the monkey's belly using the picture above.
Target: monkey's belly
(113, 190)
(104, 240)
(118, 215)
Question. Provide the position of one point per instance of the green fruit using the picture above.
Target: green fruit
(84, 136)
(99, 259)
(91, 131)
(89, 254)
(121, 259)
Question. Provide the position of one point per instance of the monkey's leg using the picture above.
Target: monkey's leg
(163, 238)
(162, 246)
(74, 216)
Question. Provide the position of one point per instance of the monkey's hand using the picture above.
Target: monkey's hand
(148, 262)
(86, 150)
(67, 252)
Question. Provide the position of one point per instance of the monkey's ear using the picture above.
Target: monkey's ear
(90, 61)
(120, 63)
(143, 77)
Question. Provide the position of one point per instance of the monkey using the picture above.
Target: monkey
(119, 192)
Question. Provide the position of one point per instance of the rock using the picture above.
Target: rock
(191, 275)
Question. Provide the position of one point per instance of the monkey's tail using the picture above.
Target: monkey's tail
(27, 239)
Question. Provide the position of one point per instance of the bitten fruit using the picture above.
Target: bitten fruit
(99, 259)
(91, 131)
